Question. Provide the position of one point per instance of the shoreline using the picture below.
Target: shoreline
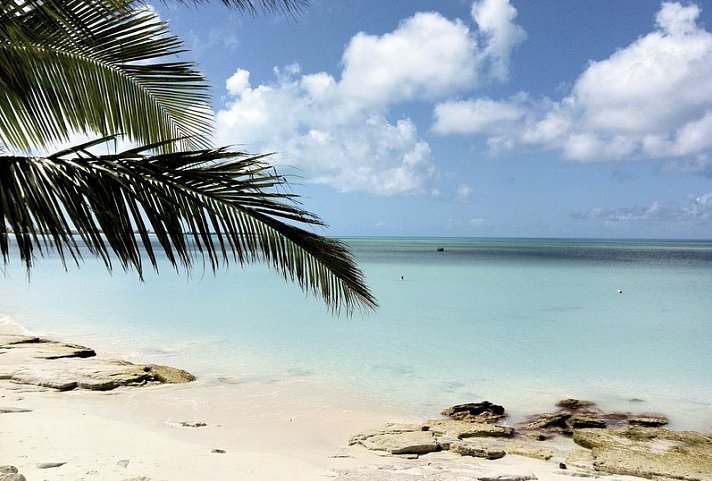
(288, 429)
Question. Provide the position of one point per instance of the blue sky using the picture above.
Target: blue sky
(501, 118)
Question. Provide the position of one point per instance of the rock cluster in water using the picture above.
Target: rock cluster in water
(605, 443)
(70, 366)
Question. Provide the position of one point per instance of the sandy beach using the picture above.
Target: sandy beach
(221, 430)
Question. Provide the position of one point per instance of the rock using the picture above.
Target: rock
(579, 458)
(124, 463)
(45, 348)
(50, 465)
(557, 422)
(464, 429)
(56, 350)
(531, 451)
(509, 477)
(479, 450)
(14, 410)
(476, 412)
(587, 420)
(8, 340)
(7, 469)
(408, 442)
(648, 420)
(649, 452)
(218, 451)
(169, 375)
(575, 404)
(66, 367)
(12, 477)
(186, 424)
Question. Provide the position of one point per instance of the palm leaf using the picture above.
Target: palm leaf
(283, 6)
(88, 66)
(211, 204)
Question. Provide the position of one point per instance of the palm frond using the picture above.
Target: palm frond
(88, 66)
(213, 204)
(290, 7)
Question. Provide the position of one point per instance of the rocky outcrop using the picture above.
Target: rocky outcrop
(64, 367)
(649, 452)
(610, 443)
(580, 414)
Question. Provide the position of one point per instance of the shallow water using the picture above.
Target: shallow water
(521, 322)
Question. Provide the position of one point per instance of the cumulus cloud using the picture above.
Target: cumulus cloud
(317, 130)
(337, 130)
(482, 115)
(426, 56)
(651, 99)
(495, 20)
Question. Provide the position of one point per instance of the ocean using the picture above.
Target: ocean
(518, 322)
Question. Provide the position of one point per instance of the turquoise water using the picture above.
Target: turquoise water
(521, 322)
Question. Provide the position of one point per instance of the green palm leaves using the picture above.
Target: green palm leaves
(94, 66)
(87, 66)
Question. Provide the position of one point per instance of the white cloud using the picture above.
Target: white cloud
(495, 19)
(304, 119)
(477, 116)
(238, 82)
(651, 99)
(426, 56)
(337, 130)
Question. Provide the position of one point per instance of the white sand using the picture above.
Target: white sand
(289, 430)
(283, 431)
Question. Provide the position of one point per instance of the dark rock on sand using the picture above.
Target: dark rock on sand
(14, 410)
(186, 424)
(481, 412)
(50, 465)
(552, 422)
(509, 477)
(7, 469)
(587, 420)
